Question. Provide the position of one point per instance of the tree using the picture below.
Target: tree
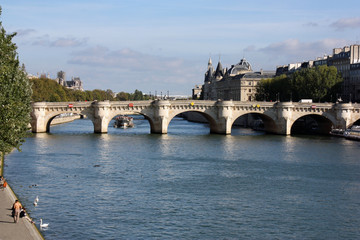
(48, 90)
(123, 96)
(318, 83)
(15, 97)
(270, 89)
(137, 95)
(109, 95)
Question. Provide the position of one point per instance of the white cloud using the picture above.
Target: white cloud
(295, 50)
(345, 23)
(45, 41)
(67, 42)
(125, 59)
(24, 32)
(250, 48)
(311, 24)
(126, 69)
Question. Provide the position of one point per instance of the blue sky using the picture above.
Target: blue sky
(164, 46)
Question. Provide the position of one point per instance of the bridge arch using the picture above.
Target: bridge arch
(355, 122)
(268, 120)
(51, 116)
(313, 123)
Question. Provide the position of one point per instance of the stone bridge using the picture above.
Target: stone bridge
(278, 117)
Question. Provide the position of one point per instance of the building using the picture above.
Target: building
(355, 82)
(74, 84)
(347, 62)
(237, 83)
(196, 92)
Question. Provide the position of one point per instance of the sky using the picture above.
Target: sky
(163, 46)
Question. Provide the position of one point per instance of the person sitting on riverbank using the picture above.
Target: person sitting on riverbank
(23, 214)
(3, 183)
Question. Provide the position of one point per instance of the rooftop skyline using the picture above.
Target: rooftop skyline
(165, 45)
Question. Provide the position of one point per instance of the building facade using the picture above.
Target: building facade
(347, 62)
(74, 84)
(196, 92)
(237, 83)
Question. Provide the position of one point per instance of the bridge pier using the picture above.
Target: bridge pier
(225, 121)
(38, 117)
(161, 117)
(101, 117)
(343, 115)
(284, 116)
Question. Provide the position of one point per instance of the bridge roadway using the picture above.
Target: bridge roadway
(278, 117)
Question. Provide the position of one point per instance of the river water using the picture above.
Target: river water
(188, 184)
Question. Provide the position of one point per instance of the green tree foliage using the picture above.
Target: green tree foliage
(319, 83)
(15, 96)
(268, 89)
(123, 96)
(48, 90)
(138, 95)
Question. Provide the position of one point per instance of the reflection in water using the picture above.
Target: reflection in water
(164, 144)
(228, 144)
(41, 141)
(289, 149)
(103, 145)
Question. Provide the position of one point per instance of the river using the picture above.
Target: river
(187, 184)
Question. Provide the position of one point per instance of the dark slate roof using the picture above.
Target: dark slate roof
(219, 70)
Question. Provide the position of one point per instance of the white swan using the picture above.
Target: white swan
(36, 201)
(43, 225)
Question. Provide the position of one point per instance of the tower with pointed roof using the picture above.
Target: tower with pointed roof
(238, 83)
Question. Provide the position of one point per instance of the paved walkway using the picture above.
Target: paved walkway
(23, 230)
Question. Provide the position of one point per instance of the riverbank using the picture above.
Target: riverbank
(24, 229)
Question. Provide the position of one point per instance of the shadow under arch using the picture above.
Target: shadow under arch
(356, 123)
(63, 120)
(312, 124)
(256, 121)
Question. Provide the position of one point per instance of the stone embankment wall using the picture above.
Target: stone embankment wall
(65, 119)
(194, 117)
(246, 121)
